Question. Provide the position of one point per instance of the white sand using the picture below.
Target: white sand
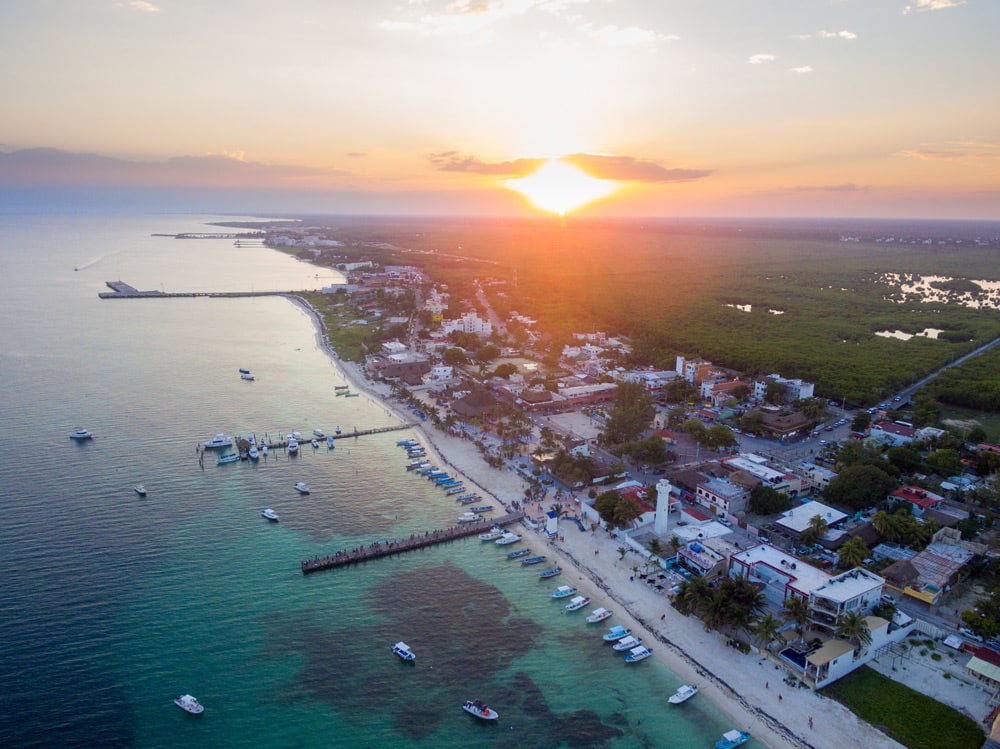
(746, 688)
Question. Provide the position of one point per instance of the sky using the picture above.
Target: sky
(827, 108)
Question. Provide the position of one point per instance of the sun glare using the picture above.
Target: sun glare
(559, 188)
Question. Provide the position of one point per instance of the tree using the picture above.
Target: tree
(454, 357)
(946, 462)
(752, 422)
(765, 500)
(860, 487)
(605, 505)
(627, 511)
(487, 353)
(861, 421)
(852, 553)
(815, 531)
(905, 458)
(775, 393)
(796, 611)
(853, 626)
(629, 415)
(622, 551)
(719, 436)
(984, 617)
(767, 630)
(505, 370)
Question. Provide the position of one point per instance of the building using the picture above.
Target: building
(469, 322)
(920, 500)
(892, 433)
(722, 496)
(816, 477)
(757, 467)
(693, 370)
(781, 575)
(837, 658)
(854, 590)
(799, 518)
(652, 380)
(720, 393)
(794, 389)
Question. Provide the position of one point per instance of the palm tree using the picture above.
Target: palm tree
(852, 553)
(796, 610)
(883, 523)
(622, 551)
(853, 626)
(694, 594)
(766, 630)
(816, 530)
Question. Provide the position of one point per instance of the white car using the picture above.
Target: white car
(969, 634)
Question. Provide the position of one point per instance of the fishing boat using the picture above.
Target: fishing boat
(469, 517)
(481, 508)
(190, 704)
(479, 710)
(508, 538)
(219, 440)
(301, 487)
(351, 395)
(616, 633)
(627, 643)
(341, 387)
(492, 534)
(140, 490)
(468, 496)
(518, 553)
(415, 465)
(577, 603)
(454, 490)
(468, 501)
(641, 653)
(599, 615)
(82, 434)
(533, 560)
(270, 515)
(683, 694)
(408, 442)
(403, 651)
(732, 739)
(244, 371)
(550, 572)
(563, 591)
(227, 458)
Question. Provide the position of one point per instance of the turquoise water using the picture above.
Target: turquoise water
(114, 604)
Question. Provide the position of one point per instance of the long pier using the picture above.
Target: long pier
(122, 290)
(380, 549)
(278, 444)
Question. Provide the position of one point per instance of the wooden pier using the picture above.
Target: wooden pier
(381, 549)
(306, 439)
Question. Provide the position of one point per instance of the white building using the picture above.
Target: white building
(652, 380)
(440, 373)
(794, 389)
(798, 518)
(721, 496)
(854, 590)
(469, 322)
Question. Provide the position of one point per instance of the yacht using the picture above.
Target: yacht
(301, 487)
(507, 538)
(469, 517)
(219, 440)
(270, 515)
(293, 446)
(403, 651)
(253, 453)
(81, 434)
(190, 704)
(492, 534)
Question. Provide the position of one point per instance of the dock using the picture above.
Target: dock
(122, 290)
(279, 444)
(380, 549)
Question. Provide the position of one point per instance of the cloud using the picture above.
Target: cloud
(801, 69)
(959, 150)
(356, 154)
(50, 166)
(627, 36)
(844, 34)
(601, 166)
(845, 187)
(761, 58)
(140, 5)
(923, 5)
(467, 16)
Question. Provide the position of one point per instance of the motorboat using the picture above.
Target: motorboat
(253, 453)
(337, 430)
(683, 694)
(329, 442)
(528, 561)
(732, 739)
(247, 376)
(481, 508)
(518, 553)
(403, 651)
(301, 487)
(507, 538)
(577, 603)
(293, 446)
(563, 591)
(319, 433)
(80, 434)
(270, 515)
(407, 442)
(468, 501)
(452, 490)
(315, 443)
(244, 370)
(492, 534)
(219, 440)
(263, 450)
(190, 704)
(470, 495)
(351, 395)
(140, 490)
(469, 517)
(341, 387)
(641, 653)
(550, 572)
(227, 458)
(627, 643)
(479, 709)
(297, 436)
(414, 465)
(616, 633)
(599, 615)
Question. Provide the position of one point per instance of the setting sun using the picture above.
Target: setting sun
(558, 187)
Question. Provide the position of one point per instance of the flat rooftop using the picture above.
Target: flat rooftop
(802, 576)
(848, 585)
(797, 519)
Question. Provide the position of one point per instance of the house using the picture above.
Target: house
(781, 575)
(794, 389)
(815, 476)
(799, 518)
(475, 403)
(920, 500)
(440, 373)
(939, 566)
(854, 590)
(782, 424)
(781, 481)
(837, 658)
(892, 433)
(720, 393)
(693, 370)
(722, 496)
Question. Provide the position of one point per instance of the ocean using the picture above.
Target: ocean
(113, 604)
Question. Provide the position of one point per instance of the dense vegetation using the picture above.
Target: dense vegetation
(909, 717)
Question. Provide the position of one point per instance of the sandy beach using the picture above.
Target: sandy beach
(747, 688)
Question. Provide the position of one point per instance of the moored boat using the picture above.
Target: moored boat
(492, 534)
(550, 572)
(227, 458)
(293, 446)
(253, 453)
(563, 591)
(469, 517)
(481, 508)
(518, 553)
(270, 515)
(451, 490)
(577, 603)
(329, 442)
(301, 487)
(403, 651)
(315, 443)
(640, 653)
(80, 434)
(219, 440)
(190, 704)
(533, 560)
(319, 433)
(616, 633)
(337, 430)
(244, 371)
(508, 538)
(599, 615)
(732, 739)
(341, 387)
(247, 376)
(627, 643)
(479, 709)
(683, 694)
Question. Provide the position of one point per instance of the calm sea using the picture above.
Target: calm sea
(113, 604)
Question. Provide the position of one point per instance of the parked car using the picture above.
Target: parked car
(969, 634)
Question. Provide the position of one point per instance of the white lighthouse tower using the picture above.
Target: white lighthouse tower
(661, 523)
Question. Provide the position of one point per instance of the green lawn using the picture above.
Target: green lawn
(909, 717)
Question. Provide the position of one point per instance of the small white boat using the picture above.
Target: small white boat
(492, 534)
(479, 709)
(301, 487)
(577, 603)
(270, 515)
(247, 376)
(732, 739)
(403, 651)
(329, 442)
(297, 436)
(563, 591)
(616, 633)
(319, 433)
(337, 430)
(140, 490)
(293, 446)
(315, 443)
(507, 538)
(219, 440)
(599, 615)
(469, 517)
(253, 453)
(263, 450)
(683, 694)
(627, 643)
(227, 458)
(190, 704)
(80, 434)
(638, 654)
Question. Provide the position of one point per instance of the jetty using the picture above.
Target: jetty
(122, 290)
(379, 549)
(283, 443)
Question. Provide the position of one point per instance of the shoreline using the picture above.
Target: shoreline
(776, 715)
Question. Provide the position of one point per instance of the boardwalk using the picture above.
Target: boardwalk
(416, 541)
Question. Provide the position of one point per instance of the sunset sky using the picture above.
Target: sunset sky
(682, 107)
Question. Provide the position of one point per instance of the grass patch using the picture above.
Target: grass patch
(909, 717)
